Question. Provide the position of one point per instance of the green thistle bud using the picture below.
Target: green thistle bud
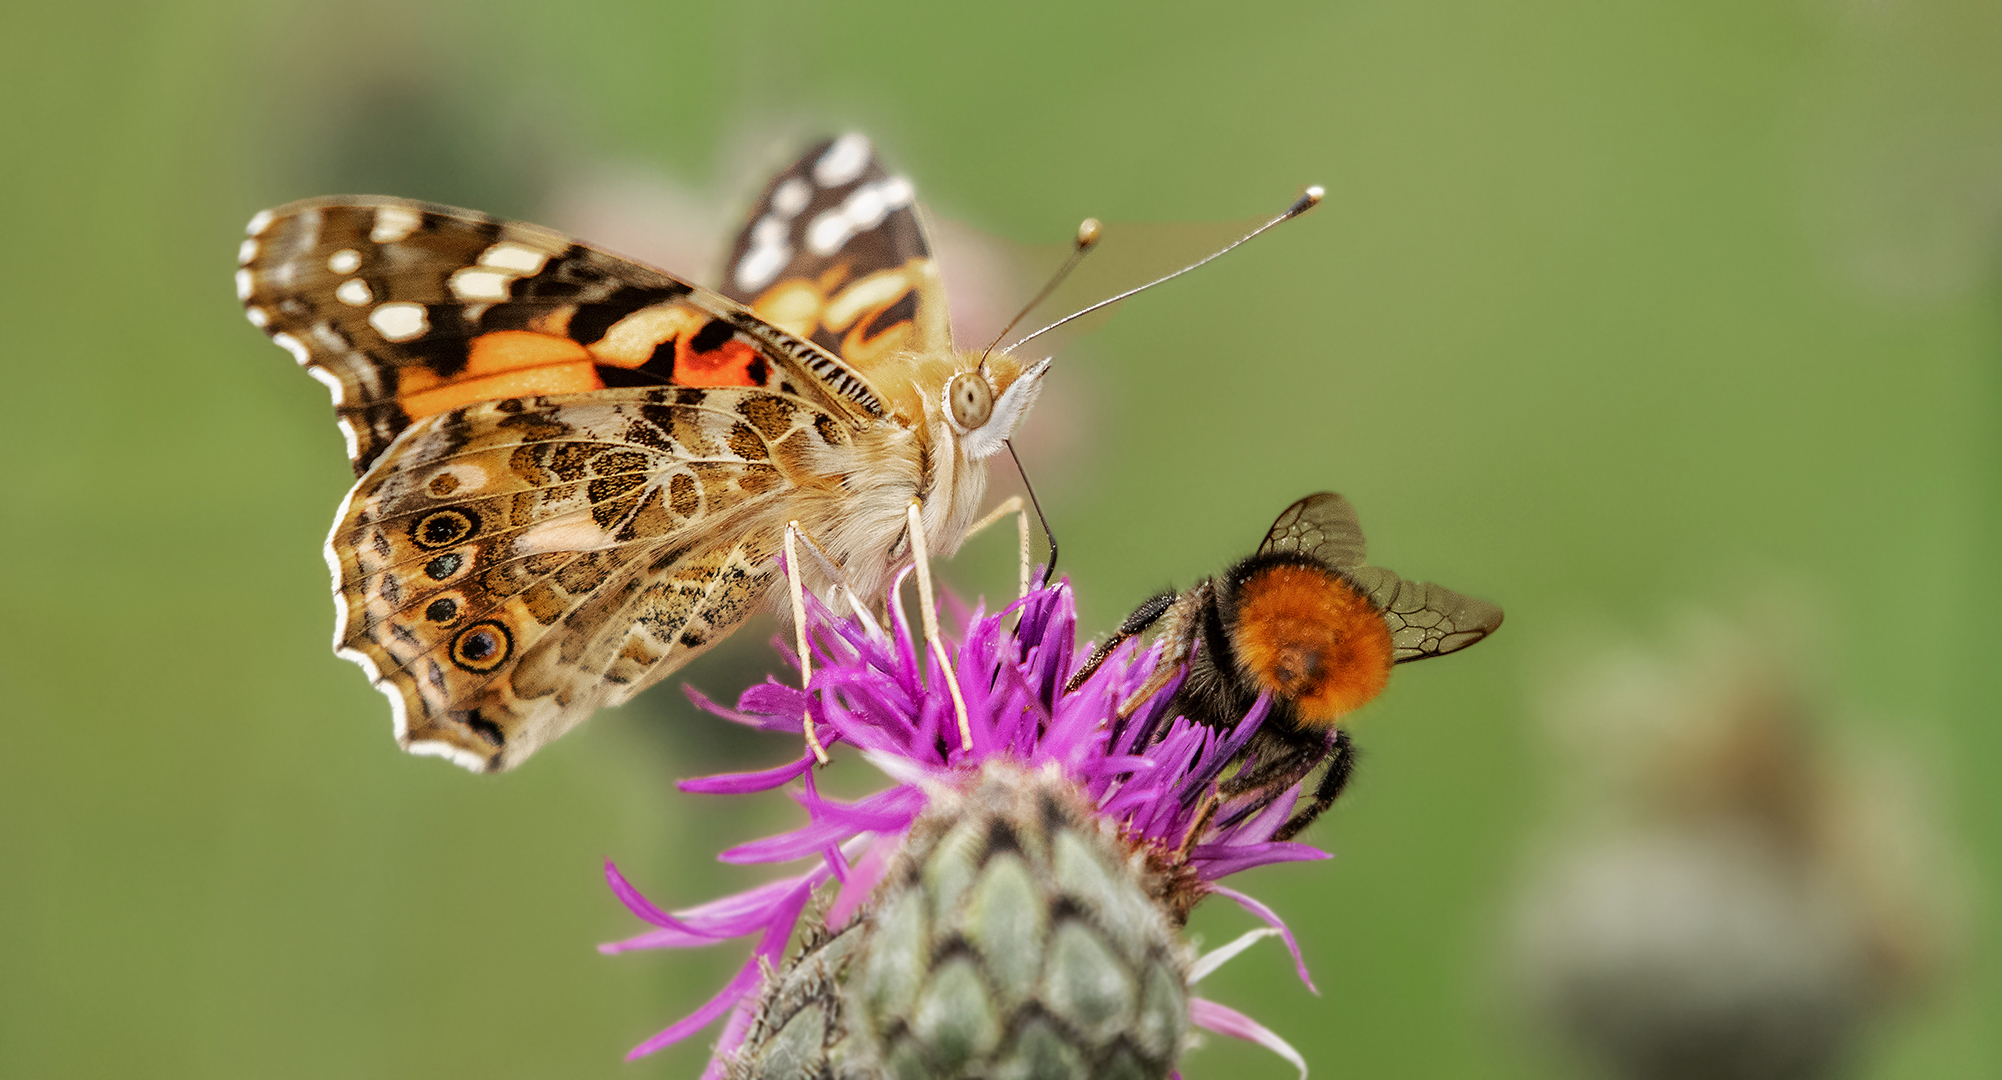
(1015, 935)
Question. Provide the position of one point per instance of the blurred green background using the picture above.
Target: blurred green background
(1614, 308)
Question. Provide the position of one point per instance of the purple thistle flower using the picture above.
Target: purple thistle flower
(1149, 774)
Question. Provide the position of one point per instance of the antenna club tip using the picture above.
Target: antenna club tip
(1309, 199)
(1087, 233)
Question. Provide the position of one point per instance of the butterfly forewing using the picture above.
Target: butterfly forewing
(835, 253)
(1324, 526)
(1425, 619)
(406, 310)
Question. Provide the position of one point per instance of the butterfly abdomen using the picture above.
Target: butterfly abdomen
(1300, 631)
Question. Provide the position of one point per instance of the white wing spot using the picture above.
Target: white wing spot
(245, 252)
(294, 346)
(393, 223)
(864, 209)
(354, 292)
(331, 381)
(348, 434)
(463, 758)
(571, 532)
(399, 322)
(843, 162)
(768, 255)
(791, 197)
(243, 283)
(258, 316)
(521, 260)
(260, 222)
(344, 261)
(470, 284)
(470, 477)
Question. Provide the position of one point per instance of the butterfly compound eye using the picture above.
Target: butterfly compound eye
(970, 399)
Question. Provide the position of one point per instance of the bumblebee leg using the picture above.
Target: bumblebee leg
(1341, 765)
(1283, 759)
(1144, 616)
(1198, 825)
(930, 612)
(1185, 617)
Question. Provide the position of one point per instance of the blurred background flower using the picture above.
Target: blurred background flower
(1609, 308)
(1731, 883)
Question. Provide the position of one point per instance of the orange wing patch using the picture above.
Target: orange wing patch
(734, 363)
(670, 342)
(865, 320)
(500, 364)
(704, 349)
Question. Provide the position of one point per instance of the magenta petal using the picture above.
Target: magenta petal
(772, 701)
(797, 844)
(746, 912)
(746, 980)
(1209, 1015)
(734, 1031)
(744, 783)
(1272, 920)
(711, 706)
(660, 938)
(641, 906)
(862, 879)
(1214, 861)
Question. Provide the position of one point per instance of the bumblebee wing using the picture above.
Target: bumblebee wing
(1323, 525)
(1425, 619)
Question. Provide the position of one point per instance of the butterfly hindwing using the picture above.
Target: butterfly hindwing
(406, 310)
(834, 252)
(507, 567)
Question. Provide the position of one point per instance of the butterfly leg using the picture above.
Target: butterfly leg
(798, 592)
(930, 611)
(1011, 505)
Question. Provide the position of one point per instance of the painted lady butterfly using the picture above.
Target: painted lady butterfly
(577, 472)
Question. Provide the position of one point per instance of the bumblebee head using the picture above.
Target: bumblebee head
(1304, 633)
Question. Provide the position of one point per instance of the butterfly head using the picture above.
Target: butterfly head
(982, 405)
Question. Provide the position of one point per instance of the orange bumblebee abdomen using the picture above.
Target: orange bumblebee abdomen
(1306, 635)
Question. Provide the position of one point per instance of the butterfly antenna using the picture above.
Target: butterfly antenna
(1087, 238)
(1307, 201)
(1050, 570)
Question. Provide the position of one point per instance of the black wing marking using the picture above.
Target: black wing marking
(382, 299)
(1323, 525)
(1425, 619)
(835, 251)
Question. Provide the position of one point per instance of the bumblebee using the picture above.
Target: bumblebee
(1305, 623)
